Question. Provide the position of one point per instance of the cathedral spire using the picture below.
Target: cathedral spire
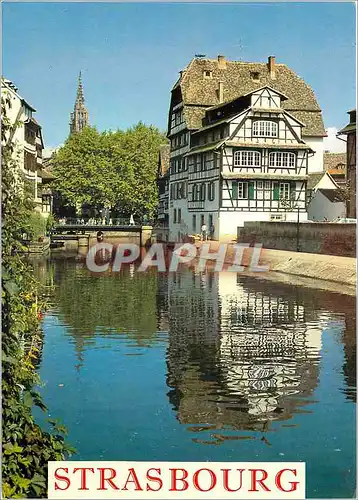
(80, 99)
(79, 117)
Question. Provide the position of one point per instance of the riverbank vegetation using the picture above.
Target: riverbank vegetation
(116, 170)
(26, 446)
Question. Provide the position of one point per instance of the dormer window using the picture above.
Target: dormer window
(208, 74)
(255, 75)
(264, 128)
(28, 112)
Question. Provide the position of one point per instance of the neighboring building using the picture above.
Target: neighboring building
(335, 164)
(350, 131)
(79, 117)
(243, 137)
(324, 202)
(163, 184)
(47, 193)
(27, 137)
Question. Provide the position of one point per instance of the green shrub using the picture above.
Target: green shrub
(27, 448)
(37, 226)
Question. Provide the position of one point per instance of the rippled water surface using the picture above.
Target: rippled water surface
(195, 367)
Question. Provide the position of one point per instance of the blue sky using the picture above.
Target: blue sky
(130, 54)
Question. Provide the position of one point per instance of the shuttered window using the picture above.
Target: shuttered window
(240, 190)
(251, 190)
(234, 190)
(284, 190)
(276, 191)
(293, 191)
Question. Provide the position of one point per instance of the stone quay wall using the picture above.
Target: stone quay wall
(310, 237)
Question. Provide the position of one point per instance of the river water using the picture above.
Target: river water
(206, 366)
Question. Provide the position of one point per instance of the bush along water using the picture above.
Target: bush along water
(26, 446)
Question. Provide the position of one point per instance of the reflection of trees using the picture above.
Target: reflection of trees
(109, 304)
(241, 355)
(345, 306)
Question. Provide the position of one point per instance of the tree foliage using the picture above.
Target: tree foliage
(26, 447)
(110, 169)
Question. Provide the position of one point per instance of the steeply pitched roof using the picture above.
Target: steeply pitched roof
(46, 173)
(199, 92)
(164, 159)
(351, 127)
(332, 160)
(313, 179)
(321, 180)
(331, 195)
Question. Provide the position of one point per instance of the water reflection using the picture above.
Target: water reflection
(243, 353)
(201, 367)
(117, 305)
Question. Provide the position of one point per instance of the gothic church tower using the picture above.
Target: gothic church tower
(79, 117)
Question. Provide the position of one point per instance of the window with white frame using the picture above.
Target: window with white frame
(282, 159)
(264, 128)
(239, 190)
(284, 190)
(247, 159)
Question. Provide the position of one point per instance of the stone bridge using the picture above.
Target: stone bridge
(85, 235)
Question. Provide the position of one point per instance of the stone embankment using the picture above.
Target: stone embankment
(316, 268)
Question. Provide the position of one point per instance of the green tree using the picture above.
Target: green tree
(113, 169)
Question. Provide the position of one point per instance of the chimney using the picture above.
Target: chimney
(271, 67)
(221, 92)
(221, 62)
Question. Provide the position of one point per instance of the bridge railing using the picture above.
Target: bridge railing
(119, 221)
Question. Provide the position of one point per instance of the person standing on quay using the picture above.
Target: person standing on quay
(212, 231)
(204, 232)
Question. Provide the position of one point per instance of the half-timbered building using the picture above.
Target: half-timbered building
(244, 137)
(26, 135)
(163, 184)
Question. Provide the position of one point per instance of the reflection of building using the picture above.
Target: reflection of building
(240, 354)
(350, 131)
(26, 134)
(267, 347)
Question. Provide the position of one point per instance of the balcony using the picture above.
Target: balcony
(196, 205)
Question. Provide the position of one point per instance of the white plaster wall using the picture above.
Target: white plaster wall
(325, 183)
(176, 229)
(19, 136)
(320, 207)
(230, 221)
(315, 162)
